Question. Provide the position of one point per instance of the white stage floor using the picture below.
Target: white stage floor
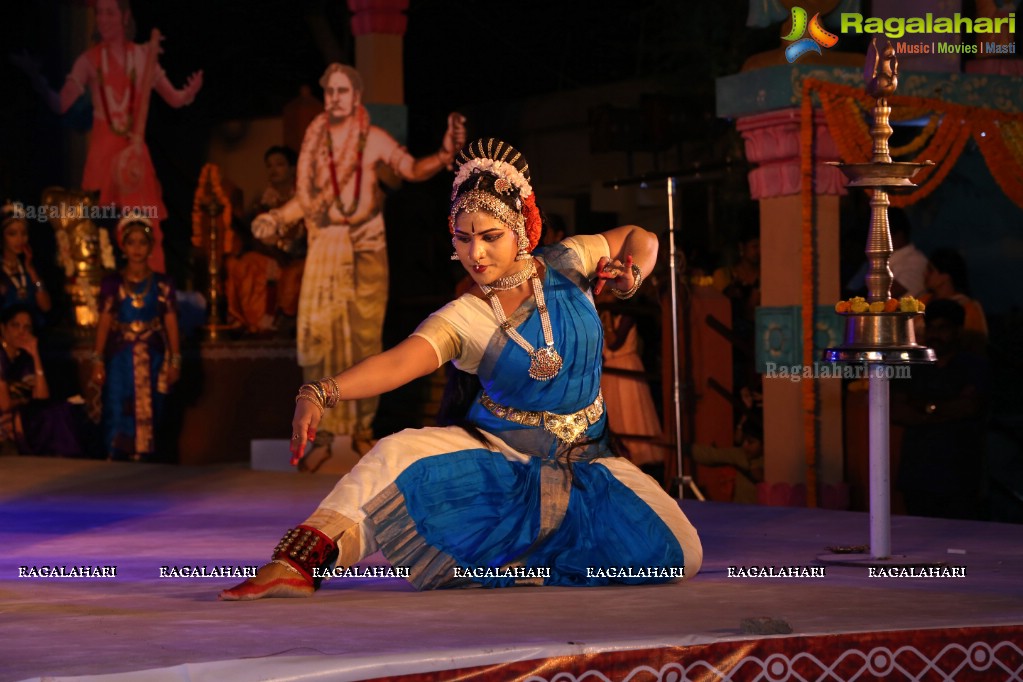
(140, 518)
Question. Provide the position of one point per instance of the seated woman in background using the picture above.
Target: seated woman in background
(19, 281)
(30, 423)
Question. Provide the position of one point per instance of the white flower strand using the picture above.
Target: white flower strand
(502, 169)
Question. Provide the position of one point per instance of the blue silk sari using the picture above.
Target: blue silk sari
(553, 515)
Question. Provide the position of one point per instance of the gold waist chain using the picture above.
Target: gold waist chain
(566, 427)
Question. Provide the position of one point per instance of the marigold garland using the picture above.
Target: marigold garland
(209, 187)
(918, 142)
(1012, 133)
(953, 125)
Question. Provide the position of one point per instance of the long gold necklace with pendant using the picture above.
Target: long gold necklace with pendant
(544, 362)
(138, 300)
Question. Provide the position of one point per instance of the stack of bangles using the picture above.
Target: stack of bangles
(637, 275)
(324, 393)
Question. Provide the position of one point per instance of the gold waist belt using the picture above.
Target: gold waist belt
(138, 326)
(566, 427)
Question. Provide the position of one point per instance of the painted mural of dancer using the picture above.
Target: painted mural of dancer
(119, 75)
(344, 287)
(525, 490)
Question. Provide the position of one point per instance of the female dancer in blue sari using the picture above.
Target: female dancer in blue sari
(526, 489)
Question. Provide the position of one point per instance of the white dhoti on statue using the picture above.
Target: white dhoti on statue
(324, 316)
(341, 313)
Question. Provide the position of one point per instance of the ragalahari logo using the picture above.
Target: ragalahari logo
(819, 37)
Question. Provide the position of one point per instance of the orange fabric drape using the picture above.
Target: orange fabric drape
(998, 134)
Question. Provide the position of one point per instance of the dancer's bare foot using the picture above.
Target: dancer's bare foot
(272, 580)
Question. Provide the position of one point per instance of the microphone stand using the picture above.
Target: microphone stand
(682, 480)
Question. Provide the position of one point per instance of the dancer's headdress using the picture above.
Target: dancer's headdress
(131, 222)
(507, 195)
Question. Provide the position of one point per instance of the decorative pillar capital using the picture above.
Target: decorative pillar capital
(772, 142)
(378, 16)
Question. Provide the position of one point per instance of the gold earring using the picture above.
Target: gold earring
(523, 253)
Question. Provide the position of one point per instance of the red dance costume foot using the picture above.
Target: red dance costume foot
(290, 574)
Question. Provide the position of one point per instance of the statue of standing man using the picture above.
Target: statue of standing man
(344, 288)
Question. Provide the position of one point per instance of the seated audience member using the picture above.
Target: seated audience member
(282, 262)
(747, 458)
(741, 284)
(19, 282)
(907, 263)
(30, 422)
(943, 408)
(946, 277)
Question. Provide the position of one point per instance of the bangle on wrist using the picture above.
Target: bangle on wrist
(175, 360)
(637, 275)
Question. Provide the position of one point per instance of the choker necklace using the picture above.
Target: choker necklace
(512, 281)
(544, 362)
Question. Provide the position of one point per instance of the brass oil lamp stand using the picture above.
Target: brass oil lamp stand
(214, 329)
(879, 340)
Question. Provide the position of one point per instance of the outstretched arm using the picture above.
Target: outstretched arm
(412, 358)
(73, 88)
(428, 166)
(267, 227)
(179, 98)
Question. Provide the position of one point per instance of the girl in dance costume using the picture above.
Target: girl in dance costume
(138, 352)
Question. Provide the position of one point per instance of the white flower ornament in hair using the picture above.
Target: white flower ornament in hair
(508, 176)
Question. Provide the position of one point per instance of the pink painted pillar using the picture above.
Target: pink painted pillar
(379, 29)
(772, 143)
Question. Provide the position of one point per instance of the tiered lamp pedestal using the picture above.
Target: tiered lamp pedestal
(879, 340)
